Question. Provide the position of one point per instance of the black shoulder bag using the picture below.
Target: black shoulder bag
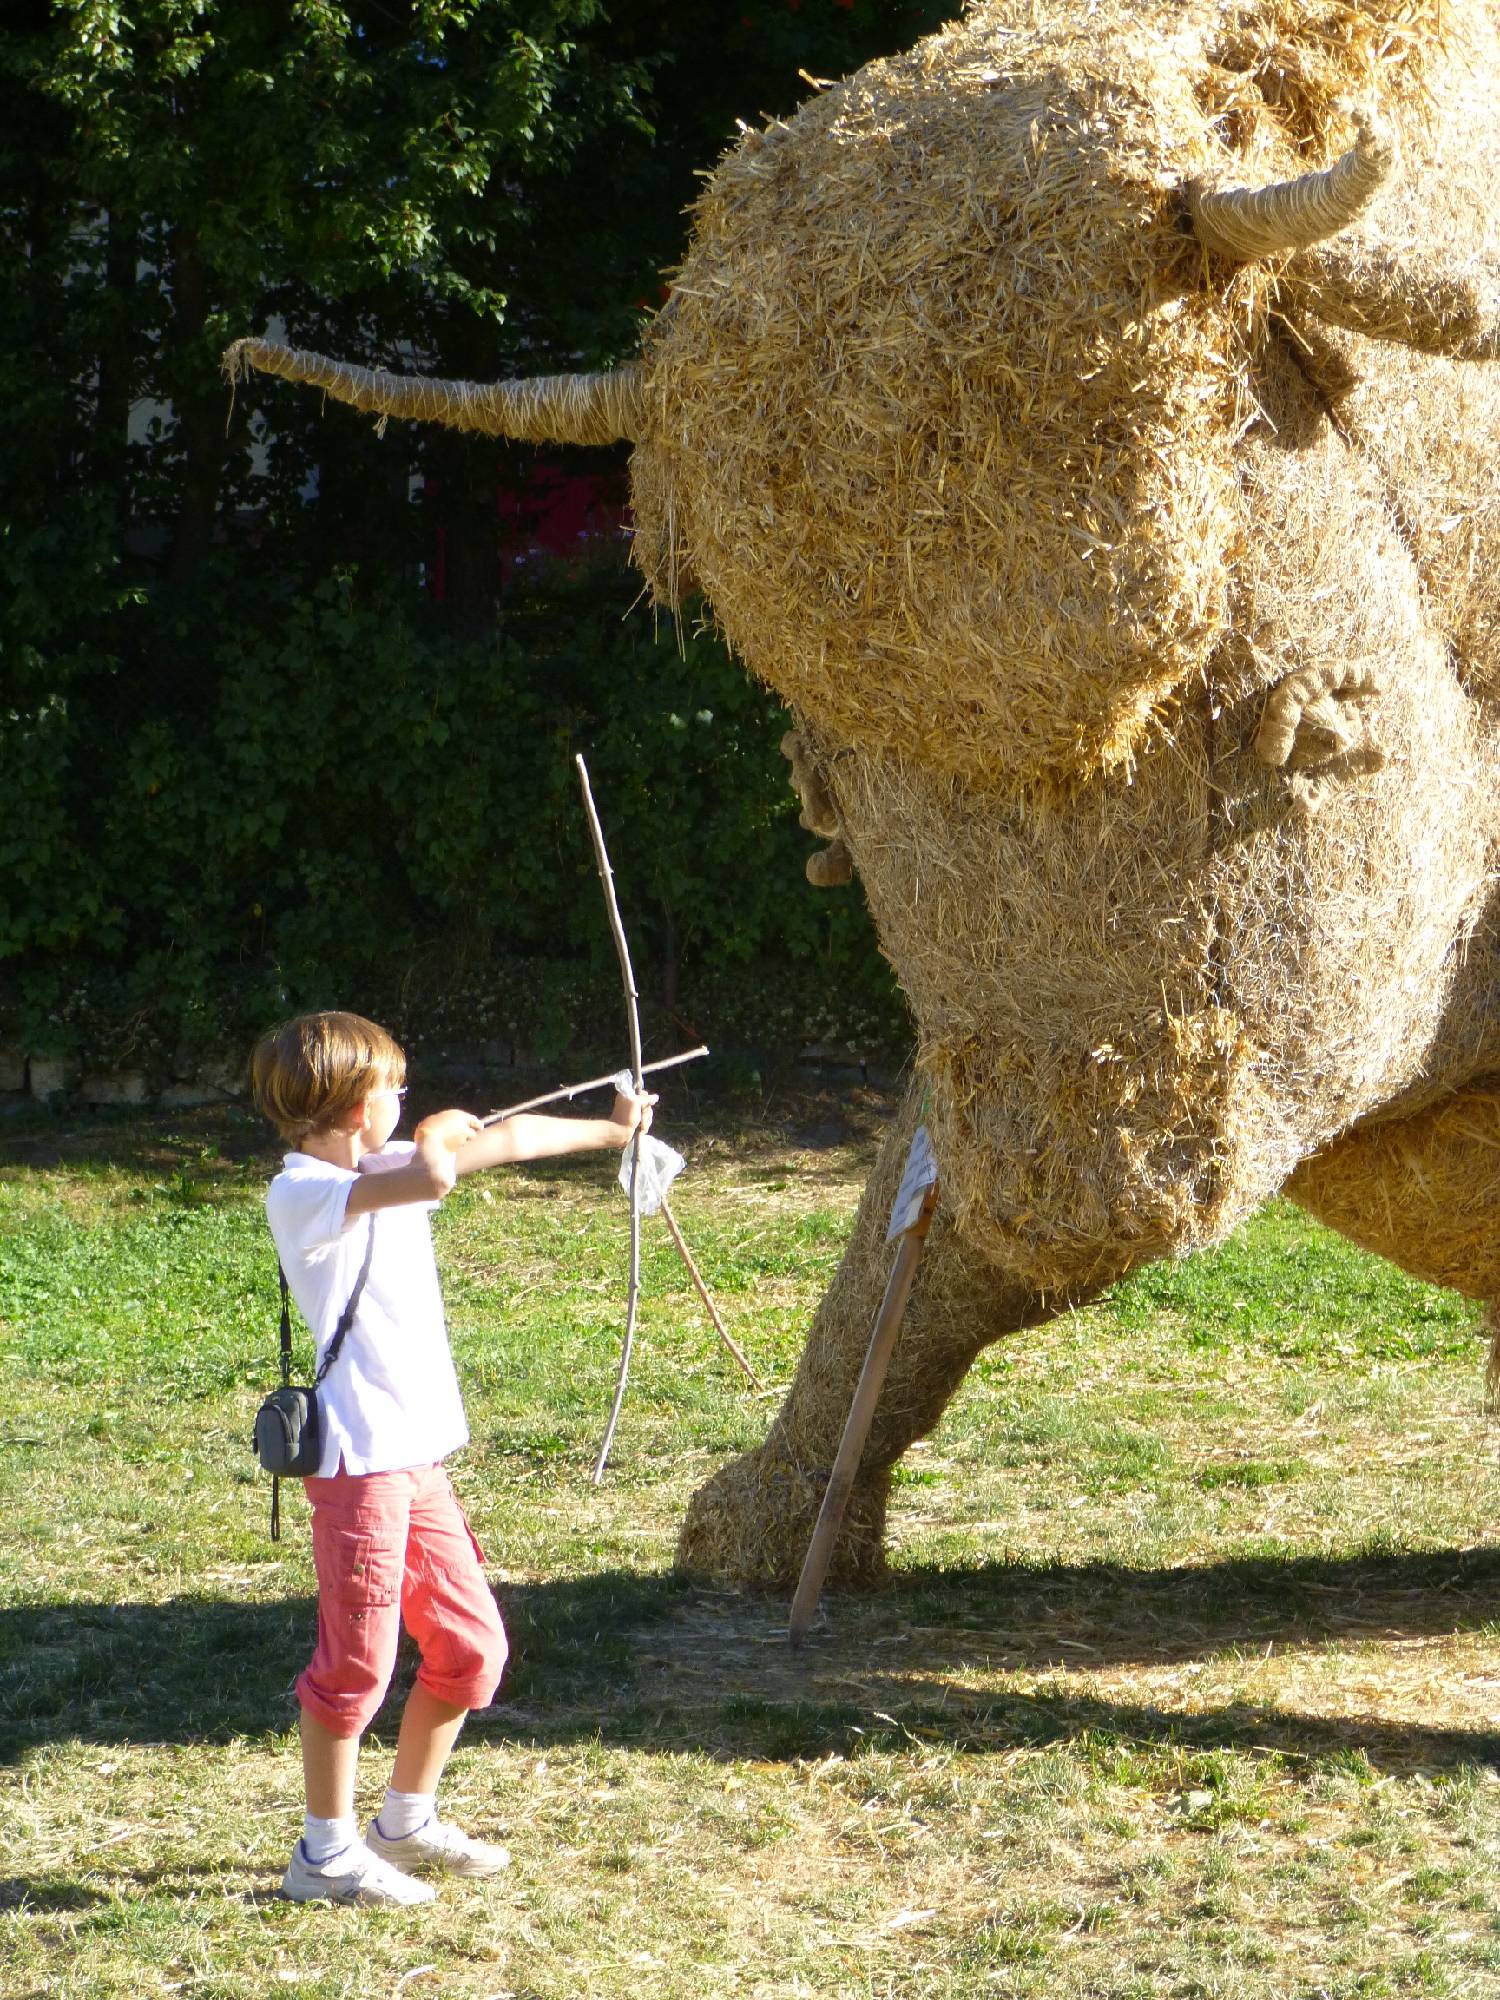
(288, 1438)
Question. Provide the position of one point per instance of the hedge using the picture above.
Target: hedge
(255, 802)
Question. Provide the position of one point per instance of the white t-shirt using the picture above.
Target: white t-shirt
(391, 1399)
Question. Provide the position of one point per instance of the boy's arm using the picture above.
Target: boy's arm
(529, 1137)
(427, 1176)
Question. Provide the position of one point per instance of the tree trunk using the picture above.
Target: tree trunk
(116, 370)
(467, 471)
(199, 410)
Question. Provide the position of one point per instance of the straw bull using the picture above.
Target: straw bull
(1088, 422)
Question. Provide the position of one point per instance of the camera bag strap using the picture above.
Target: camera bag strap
(346, 1320)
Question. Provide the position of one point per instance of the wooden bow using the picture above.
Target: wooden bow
(633, 1023)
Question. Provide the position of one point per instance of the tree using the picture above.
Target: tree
(472, 187)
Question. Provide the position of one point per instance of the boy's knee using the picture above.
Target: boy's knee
(343, 1687)
(342, 1711)
(466, 1668)
(491, 1666)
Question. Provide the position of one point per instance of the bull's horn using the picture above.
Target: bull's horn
(1249, 223)
(547, 409)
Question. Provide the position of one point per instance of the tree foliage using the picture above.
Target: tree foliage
(209, 611)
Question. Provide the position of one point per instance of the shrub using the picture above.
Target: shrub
(259, 802)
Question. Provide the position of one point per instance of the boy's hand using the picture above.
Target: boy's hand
(451, 1130)
(430, 1173)
(631, 1111)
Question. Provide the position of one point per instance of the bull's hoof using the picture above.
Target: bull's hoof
(751, 1523)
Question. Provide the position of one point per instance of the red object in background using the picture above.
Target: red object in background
(546, 513)
(553, 511)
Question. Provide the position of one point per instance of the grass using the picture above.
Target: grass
(1184, 1685)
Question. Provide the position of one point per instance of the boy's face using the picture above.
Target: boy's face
(382, 1112)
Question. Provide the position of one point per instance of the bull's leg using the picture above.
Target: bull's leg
(752, 1521)
(1423, 1191)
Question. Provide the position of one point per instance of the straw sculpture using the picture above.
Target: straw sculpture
(1087, 421)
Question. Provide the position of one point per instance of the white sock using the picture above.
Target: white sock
(322, 1839)
(404, 1812)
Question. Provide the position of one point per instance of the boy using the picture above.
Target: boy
(390, 1541)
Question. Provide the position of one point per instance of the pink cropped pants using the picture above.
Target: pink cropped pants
(394, 1546)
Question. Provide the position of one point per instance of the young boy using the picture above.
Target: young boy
(390, 1540)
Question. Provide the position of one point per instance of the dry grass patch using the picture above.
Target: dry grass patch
(1183, 1683)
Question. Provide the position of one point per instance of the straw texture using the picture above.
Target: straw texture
(1137, 707)
(946, 412)
(753, 1519)
(1424, 1191)
(561, 409)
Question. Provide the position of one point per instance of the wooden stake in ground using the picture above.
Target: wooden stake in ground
(633, 1022)
(910, 1220)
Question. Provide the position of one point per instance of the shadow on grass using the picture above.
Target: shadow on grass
(654, 1661)
(209, 1139)
(47, 1892)
(800, 1114)
(1117, 1615)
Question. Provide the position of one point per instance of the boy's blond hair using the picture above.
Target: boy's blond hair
(311, 1072)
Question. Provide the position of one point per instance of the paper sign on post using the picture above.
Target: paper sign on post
(921, 1171)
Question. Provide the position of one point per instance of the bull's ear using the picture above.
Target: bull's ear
(1386, 297)
(547, 409)
(1248, 224)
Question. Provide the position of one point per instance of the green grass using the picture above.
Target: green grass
(1185, 1683)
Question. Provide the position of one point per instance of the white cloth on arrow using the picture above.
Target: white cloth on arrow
(660, 1165)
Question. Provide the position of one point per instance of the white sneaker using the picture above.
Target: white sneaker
(435, 1847)
(355, 1876)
